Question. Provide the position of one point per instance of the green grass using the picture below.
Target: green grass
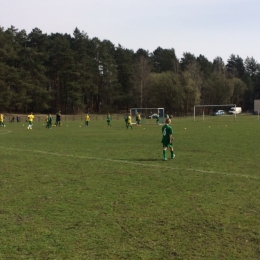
(105, 192)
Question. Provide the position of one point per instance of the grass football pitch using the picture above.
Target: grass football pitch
(105, 193)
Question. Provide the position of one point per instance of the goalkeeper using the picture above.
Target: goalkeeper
(157, 119)
(58, 118)
(126, 119)
(167, 139)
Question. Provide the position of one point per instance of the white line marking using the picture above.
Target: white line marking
(134, 163)
(5, 132)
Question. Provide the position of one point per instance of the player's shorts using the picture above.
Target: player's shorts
(167, 145)
(30, 122)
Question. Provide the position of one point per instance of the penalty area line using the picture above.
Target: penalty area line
(133, 163)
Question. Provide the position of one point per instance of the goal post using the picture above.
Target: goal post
(148, 115)
(224, 105)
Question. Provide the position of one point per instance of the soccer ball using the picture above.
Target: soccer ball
(170, 116)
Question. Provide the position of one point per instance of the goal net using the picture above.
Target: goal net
(148, 115)
(203, 111)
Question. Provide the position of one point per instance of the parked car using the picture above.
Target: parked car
(235, 110)
(152, 116)
(219, 113)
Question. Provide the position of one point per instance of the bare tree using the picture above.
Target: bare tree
(142, 71)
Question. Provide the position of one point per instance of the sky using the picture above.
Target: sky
(213, 28)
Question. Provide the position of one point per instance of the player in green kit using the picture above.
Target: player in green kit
(49, 122)
(167, 139)
(108, 120)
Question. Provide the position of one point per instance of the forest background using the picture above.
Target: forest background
(75, 74)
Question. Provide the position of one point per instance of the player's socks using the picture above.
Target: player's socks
(164, 154)
(172, 154)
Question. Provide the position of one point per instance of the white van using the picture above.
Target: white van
(235, 110)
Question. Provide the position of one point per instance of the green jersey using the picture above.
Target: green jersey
(166, 132)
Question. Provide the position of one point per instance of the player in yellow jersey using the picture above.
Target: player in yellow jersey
(30, 119)
(138, 119)
(87, 119)
(129, 121)
(2, 117)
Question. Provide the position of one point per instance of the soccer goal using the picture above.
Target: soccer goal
(199, 109)
(148, 115)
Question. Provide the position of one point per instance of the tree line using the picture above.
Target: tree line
(74, 74)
